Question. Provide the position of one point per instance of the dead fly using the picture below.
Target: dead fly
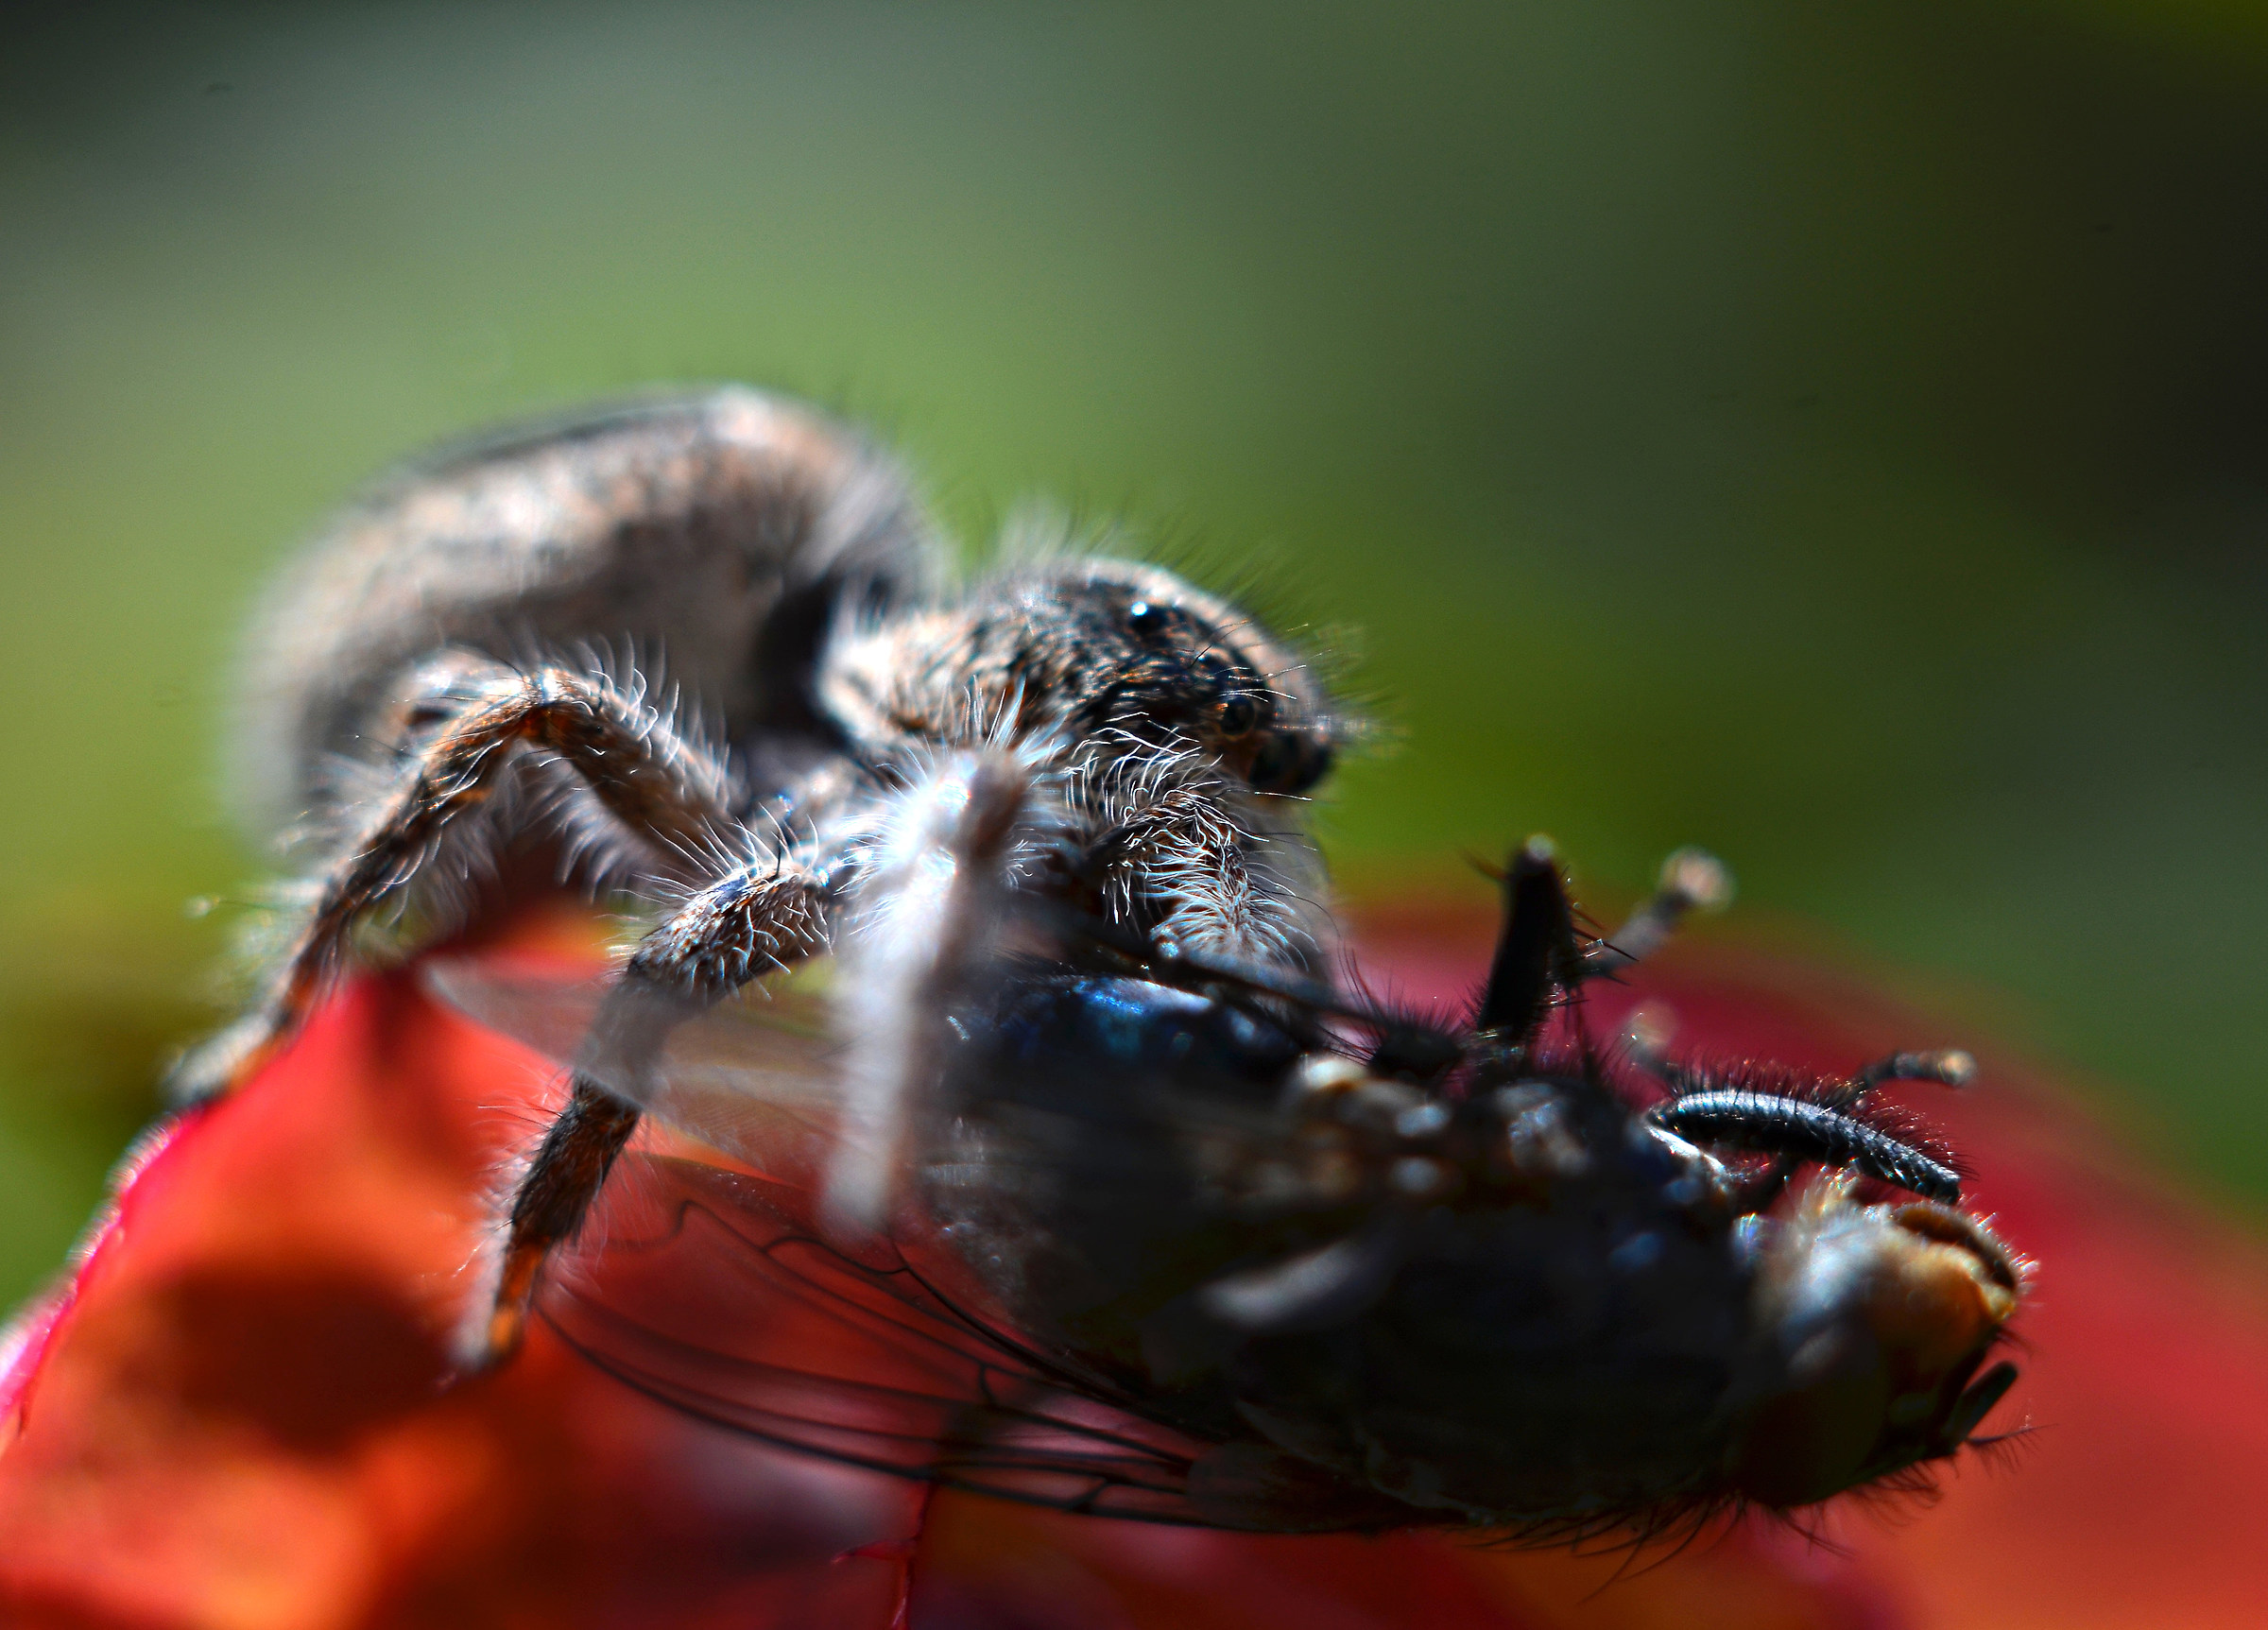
(1185, 1237)
(432, 686)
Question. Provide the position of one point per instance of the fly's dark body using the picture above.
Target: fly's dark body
(1505, 1293)
(1512, 1307)
(1196, 1241)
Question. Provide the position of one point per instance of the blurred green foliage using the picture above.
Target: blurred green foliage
(1833, 435)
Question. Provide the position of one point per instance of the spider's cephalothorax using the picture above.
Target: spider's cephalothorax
(1118, 657)
(445, 672)
(1178, 732)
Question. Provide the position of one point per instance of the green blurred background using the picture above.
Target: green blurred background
(1830, 433)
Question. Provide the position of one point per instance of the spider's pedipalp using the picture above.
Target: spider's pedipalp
(928, 915)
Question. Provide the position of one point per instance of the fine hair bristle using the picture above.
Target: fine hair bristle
(1878, 1110)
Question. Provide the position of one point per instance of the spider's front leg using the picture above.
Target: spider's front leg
(472, 720)
(768, 913)
(921, 911)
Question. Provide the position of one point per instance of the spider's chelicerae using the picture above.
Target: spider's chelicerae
(425, 688)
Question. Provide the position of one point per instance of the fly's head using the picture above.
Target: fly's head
(1875, 1321)
(1113, 659)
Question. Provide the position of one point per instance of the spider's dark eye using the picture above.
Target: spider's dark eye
(1239, 714)
(1149, 620)
(1289, 762)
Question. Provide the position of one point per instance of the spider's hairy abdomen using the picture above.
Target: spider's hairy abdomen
(717, 529)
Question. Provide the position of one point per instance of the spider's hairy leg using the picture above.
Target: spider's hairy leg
(475, 719)
(768, 913)
(926, 909)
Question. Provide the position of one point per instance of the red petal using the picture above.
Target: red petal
(240, 1421)
(2139, 1498)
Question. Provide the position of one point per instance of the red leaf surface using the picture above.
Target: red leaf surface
(238, 1418)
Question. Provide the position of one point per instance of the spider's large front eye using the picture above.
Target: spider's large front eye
(1239, 715)
(1289, 761)
(1149, 622)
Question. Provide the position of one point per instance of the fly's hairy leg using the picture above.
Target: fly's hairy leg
(1947, 1067)
(1819, 1126)
(1540, 959)
(767, 915)
(1535, 955)
(658, 784)
(1796, 1128)
(1692, 879)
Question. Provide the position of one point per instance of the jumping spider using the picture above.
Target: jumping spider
(428, 686)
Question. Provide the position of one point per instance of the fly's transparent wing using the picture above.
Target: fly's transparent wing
(753, 1078)
(717, 1292)
(713, 1292)
(758, 1078)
